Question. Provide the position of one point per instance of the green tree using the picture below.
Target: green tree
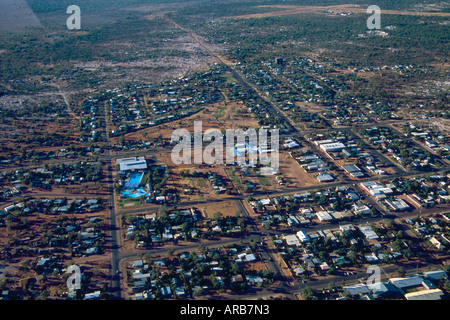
(308, 293)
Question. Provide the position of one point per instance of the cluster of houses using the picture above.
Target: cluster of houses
(402, 150)
(11, 191)
(89, 287)
(91, 121)
(140, 106)
(407, 194)
(82, 237)
(342, 145)
(46, 177)
(381, 194)
(344, 114)
(255, 104)
(433, 229)
(362, 231)
(217, 182)
(46, 252)
(125, 145)
(305, 80)
(414, 287)
(311, 162)
(300, 86)
(309, 118)
(431, 138)
(307, 76)
(55, 206)
(41, 155)
(148, 231)
(305, 209)
(179, 225)
(129, 110)
(335, 250)
(301, 210)
(193, 274)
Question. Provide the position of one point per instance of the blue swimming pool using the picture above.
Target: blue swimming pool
(134, 193)
(134, 180)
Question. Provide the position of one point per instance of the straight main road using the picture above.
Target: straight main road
(115, 288)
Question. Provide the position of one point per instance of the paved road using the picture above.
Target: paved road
(115, 288)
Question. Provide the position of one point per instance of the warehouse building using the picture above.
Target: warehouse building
(133, 163)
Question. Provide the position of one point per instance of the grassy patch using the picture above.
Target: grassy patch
(220, 112)
(129, 203)
(145, 179)
(263, 180)
(235, 179)
(201, 182)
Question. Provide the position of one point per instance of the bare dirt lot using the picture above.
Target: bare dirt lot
(295, 174)
(226, 208)
(200, 188)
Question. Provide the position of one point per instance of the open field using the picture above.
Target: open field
(226, 208)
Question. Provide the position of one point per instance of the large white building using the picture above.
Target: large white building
(332, 147)
(397, 205)
(133, 163)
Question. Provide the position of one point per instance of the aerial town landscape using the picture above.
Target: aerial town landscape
(97, 204)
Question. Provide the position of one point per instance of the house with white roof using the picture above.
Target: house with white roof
(292, 240)
(324, 216)
(368, 232)
(303, 237)
(357, 289)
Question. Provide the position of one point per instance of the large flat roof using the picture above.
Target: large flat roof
(129, 160)
(431, 294)
(133, 163)
(332, 146)
(351, 168)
